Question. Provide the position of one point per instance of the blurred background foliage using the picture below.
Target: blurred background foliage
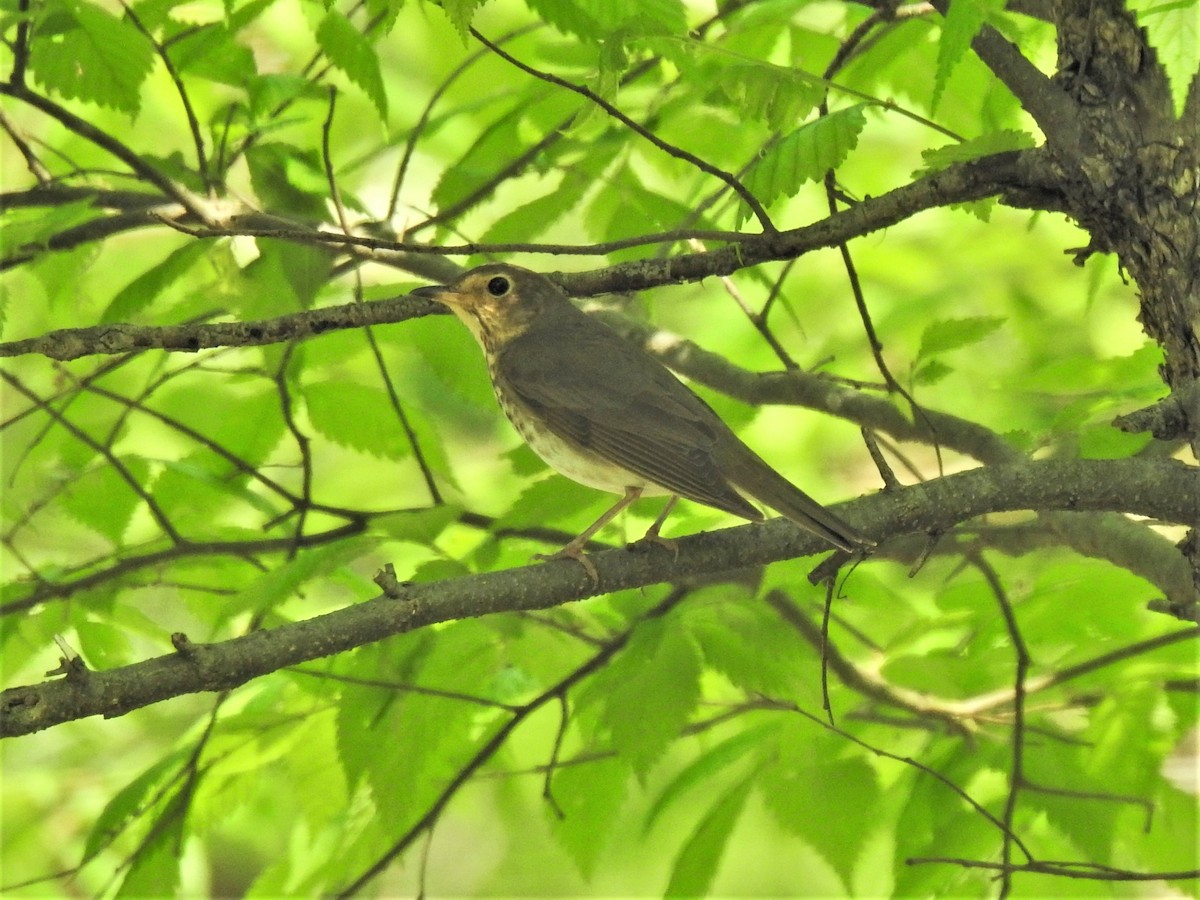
(695, 759)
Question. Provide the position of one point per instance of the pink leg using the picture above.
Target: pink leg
(574, 550)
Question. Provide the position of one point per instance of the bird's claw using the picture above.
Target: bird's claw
(572, 552)
(648, 539)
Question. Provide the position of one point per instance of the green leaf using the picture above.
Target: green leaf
(931, 373)
(83, 52)
(128, 802)
(707, 767)
(829, 801)
(289, 179)
(103, 645)
(779, 95)
(645, 696)
(154, 867)
(351, 52)
(552, 500)
(743, 640)
(1173, 29)
(31, 229)
(502, 141)
(284, 580)
(212, 52)
(594, 20)
(460, 13)
(804, 155)
(694, 868)
(590, 797)
(146, 287)
(952, 334)
(421, 527)
(532, 219)
(357, 416)
(572, 18)
(103, 500)
(409, 745)
(986, 144)
(963, 20)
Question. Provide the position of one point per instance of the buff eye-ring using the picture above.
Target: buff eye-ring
(498, 286)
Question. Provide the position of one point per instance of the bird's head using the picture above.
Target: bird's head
(497, 302)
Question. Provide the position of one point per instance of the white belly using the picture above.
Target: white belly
(578, 465)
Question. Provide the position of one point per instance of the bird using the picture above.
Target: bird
(607, 414)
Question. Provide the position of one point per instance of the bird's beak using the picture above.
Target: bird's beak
(432, 292)
(441, 293)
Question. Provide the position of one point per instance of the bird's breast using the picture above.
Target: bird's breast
(564, 456)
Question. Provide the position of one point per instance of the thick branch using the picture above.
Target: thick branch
(1166, 490)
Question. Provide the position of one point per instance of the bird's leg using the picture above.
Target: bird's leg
(652, 533)
(574, 550)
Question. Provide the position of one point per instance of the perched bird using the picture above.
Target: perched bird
(608, 415)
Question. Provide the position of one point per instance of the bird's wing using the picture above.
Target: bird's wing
(591, 387)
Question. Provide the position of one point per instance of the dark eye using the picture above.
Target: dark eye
(498, 286)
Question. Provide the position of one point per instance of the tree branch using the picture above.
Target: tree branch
(969, 181)
(1166, 490)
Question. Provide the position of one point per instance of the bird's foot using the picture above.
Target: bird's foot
(572, 551)
(649, 539)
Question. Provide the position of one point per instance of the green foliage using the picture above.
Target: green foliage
(664, 739)
(805, 154)
(694, 868)
(86, 53)
(349, 51)
(964, 18)
(1175, 36)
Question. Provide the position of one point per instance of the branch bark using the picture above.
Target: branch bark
(1166, 490)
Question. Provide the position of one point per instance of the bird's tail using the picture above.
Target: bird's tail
(751, 475)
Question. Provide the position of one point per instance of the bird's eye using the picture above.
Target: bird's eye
(498, 286)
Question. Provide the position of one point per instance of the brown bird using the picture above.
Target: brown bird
(608, 415)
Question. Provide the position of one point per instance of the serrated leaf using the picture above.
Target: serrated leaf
(952, 334)
(827, 801)
(104, 501)
(694, 868)
(932, 372)
(154, 867)
(804, 155)
(127, 802)
(645, 695)
(743, 641)
(356, 416)
(779, 95)
(595, 20)
(984, 145)
(501, 141)
(408, 745)
(571, 18)
(590, 796)
(31, 229)
(706, 767)
(288, 179)
(146, 287)
(421, 527)
(353, 54)
(212, 52)
(963, 20)
(532, 219)
(460, 13)
(283, 581)
(83, 52)
(1173, 29)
